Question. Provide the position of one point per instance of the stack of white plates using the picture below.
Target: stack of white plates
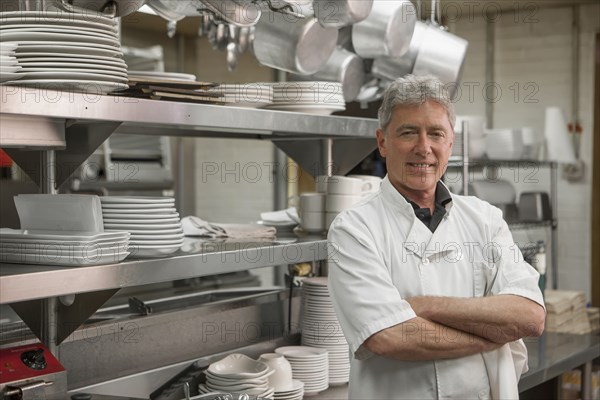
(9, 67)
(309, 365)
(308, 97)
(170, 76)
(153, 222)
(251, 95)
(296, 392)
(320, 328)
(65, 248)
(238, 373)
(65, 51)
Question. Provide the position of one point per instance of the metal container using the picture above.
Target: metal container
(297, 45)
(340, 13)
(441, 54)
(343, 66)
(534, 207)
(391, 68)
(387, 31)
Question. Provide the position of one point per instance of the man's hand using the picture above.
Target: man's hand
(500, 319)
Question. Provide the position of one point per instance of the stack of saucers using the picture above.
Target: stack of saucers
(153, 222)
(238, 373)
(308, 97)
(320, 328)
(309, 365)
(66, 51)
(9, 66)
(65, 248)
(296, 392)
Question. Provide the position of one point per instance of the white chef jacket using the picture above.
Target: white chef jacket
(381, 253)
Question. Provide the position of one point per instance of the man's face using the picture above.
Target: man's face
(416, 145)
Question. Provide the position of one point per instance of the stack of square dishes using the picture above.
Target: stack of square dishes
(9, 66)
(321, 328)
(309, 365)
(63, 248)
(238, 373)
(65, 51)
(308, 97)
(153, 223)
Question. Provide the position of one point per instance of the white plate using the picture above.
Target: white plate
(142, 227)
(74, 76)
(141, 221)
(44, 31)
(137, 238)
(139, 211)
(154, 243)
(153, 252)
(26, 36)
(26, 60)
(50, 16)
(157, 232)
(8, 77)
(302, 352)
(31, 234)
(7, 46)
(136, 200)
(141, 216)
(85, 31)
(79, 24)
(73, 66)
(64, 261)
(165, 75)
(73, 48)
(123, 208)
(83, 86)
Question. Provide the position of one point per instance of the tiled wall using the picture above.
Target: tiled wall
(533, 64)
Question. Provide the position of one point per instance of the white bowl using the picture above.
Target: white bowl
(239, 366)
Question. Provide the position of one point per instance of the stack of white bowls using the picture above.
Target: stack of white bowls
(281, 380)
(309, 365)
(311, 211)
(344, 192)
(308, 97)
(321, 328)
(475, 125)
(153, 222)
(238, 373)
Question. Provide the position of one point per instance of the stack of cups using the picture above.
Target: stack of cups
(312, 212)
(345, 191)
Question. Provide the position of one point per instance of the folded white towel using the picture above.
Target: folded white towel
(289, 215)
(194, 226)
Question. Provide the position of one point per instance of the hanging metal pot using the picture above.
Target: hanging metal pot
(340, 13)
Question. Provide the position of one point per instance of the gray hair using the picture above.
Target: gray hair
(414, 90)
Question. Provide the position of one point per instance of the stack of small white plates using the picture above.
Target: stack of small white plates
(238, 373)
(9, 67)
(250, 95)
(65, 248)
(65, 51)
(158, 75)
(153, 222)
(309, 365)
(296, 392)
(320, 328)
(308, 97)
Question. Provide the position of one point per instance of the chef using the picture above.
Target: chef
(432, 294)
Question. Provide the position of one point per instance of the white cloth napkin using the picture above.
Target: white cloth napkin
(194, 226)
(289, 215)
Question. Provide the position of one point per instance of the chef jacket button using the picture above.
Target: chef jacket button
(425, 260)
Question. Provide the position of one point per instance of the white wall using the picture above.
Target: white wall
(533, 55)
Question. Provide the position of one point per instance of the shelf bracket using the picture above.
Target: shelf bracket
(81, 139)
(70, 314)
(346, 153)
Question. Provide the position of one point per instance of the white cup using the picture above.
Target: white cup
(312, 202)
(312, 221)
(346, 185)
(375, 183)
(281, 379)
(341, 202)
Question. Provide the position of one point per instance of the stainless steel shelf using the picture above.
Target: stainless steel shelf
(21, 282)
(456, 161)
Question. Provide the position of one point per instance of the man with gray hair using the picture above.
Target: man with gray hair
(431, 292)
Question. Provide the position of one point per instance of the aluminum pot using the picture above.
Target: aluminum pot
(441, 54)
(343, 66)
(391, 68)
(340, 13)
(387, 30)
(297, 45)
